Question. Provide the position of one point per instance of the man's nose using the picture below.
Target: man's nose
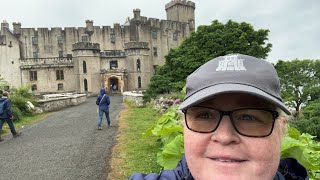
(225, 132)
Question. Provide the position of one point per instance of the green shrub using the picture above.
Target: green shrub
(168, 128)
(17, 114)
(310, 126)
(19, 102)
(310, 120)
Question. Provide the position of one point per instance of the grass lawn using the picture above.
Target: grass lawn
(135, 152)
(23, 122)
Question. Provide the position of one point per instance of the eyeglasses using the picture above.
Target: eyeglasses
(247, 122)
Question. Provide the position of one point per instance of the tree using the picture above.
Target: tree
(208, 42)
(300, 82)
(310, 120)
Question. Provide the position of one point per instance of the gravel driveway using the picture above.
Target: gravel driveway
(66, 145)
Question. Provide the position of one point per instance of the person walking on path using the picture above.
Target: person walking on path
(111, 89)
(114, 88)
(103, 101)
(6, 115)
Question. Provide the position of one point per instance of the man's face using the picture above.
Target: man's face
(224, 153)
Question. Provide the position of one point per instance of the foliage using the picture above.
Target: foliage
(134, 152)
(303, 148)
(299, 146)
(300, 81)
(310, 120)
(3, 83)
(170, 131)
(18, 99)
(208, 42)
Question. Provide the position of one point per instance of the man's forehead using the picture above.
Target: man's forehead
(239, 100)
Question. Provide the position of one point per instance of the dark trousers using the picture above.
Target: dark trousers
(10, 123)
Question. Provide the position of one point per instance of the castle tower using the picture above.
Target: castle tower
(136, 14)
(16, 29)
(182, 11)
(89, 28)
(4, 25)
(86, 58)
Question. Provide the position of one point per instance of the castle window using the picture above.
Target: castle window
(155, 51)
(60, 87)
(113, 64)
(84, 66)
(69, 56)
(60, 39)
(139, 82)
(35, 55)
(112, 38)
(154, 34)
(33, 75)
(34, 87)
(175, 36)
(59, 75)
(138, 65)
(84, 38)
(60, 54)
(155, 69)
(85, 82)
(35, 40)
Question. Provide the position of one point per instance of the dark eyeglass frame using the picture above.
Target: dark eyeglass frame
(275, 115)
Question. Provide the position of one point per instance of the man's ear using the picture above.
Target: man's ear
(283, 123)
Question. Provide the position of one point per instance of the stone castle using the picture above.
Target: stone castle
(85, 59)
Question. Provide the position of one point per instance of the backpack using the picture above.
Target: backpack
(2, 108)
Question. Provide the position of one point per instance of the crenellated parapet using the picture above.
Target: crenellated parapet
(86, 46)
(136, 45)
(37, 63)
(113, 53)
(182, 2)
(114, 70)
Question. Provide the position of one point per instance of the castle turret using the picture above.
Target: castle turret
(16, 29)
(4, 25)
(181, 11)
(89, 28)
(136, 14)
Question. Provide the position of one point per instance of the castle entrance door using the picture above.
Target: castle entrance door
(114, 84)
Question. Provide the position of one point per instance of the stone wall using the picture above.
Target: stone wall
(133, 96)
(57, 102)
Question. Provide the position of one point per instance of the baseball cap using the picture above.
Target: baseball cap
(234, 73)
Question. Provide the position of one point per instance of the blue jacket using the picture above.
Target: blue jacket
(288, 169)
(7, 105)
(105, 101)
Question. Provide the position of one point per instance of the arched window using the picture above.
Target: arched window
(138, 65)
(139, 82)
(85, 83)
(84, 64)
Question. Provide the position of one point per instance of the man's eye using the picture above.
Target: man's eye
(245, 117)
(204, 115)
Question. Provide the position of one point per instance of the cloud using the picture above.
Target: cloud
(293, 24)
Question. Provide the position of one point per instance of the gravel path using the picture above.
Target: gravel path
(66, 145)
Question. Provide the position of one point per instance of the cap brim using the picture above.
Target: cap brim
(211, 91)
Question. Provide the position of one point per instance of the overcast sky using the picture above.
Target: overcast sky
(294, 24)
